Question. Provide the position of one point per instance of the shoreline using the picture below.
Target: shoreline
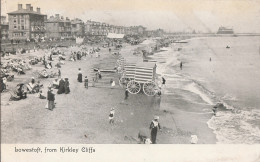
(184, 107)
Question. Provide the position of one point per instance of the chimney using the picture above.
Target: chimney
(38, 10)
(61, 18)
(57, 16)
(20, 6)
(28, 7)
(67, 18)
(31, 8)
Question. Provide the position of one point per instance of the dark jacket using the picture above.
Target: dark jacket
(50, 96)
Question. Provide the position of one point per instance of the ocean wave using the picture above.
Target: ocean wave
(239, 127)
(229, 97)
(193, 88)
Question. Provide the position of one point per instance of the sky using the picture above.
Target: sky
(171, 15)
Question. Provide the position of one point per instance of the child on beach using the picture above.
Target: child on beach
(111, 116)
(112, 82)
(86, 82)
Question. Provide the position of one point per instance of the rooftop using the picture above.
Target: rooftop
(57, 19)
(28, 10)
(24, 11)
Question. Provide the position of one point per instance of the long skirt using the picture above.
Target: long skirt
(61, 89)
(67, 90)
(51, 105)
(80, 78)
(153, 135)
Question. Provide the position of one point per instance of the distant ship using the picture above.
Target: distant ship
(224, 30)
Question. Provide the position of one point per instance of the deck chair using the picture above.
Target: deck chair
(41, 75)
(30, 88)
(13, 96)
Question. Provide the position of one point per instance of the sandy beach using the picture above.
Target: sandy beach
(82, 116)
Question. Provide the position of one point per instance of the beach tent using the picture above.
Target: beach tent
(79, 40)
(114, 35)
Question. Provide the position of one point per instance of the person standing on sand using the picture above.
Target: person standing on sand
(51, 99)
(80, 76)
(163, 82)
(111, 116)
(126, 94)
(61, 86)
(67, 86)
(86, 82)
(59, 73)
(181, 65)
(154, 126)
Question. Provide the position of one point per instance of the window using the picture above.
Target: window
(14, 21)
(14, 27)
(22, 27)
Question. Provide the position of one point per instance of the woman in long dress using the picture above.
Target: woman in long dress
(61, 86)
(80, 76)
(67, 86)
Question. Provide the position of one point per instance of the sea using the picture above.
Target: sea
(217, 74)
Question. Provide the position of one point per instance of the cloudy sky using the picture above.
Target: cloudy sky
(171, 15)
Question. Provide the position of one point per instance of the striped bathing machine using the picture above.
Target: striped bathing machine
(144, 78)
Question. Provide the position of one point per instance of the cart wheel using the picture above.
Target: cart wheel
(123, 81)
(133, 87)
(149, 88)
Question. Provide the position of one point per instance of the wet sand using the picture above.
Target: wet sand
(82, 116)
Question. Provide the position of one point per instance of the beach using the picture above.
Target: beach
(185, 107)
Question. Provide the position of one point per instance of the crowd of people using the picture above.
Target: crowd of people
(62, 85)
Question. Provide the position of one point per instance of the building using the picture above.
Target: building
(225, 30)
(137, 30)
(93, 28)
(77, 28)
(4, 28)
(149, 33)
(97, 28)
(57, 27)
(26, 23)
(141, 30)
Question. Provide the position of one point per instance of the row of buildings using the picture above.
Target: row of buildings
(27, 23)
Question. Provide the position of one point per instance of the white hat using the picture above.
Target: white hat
(156, 117)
